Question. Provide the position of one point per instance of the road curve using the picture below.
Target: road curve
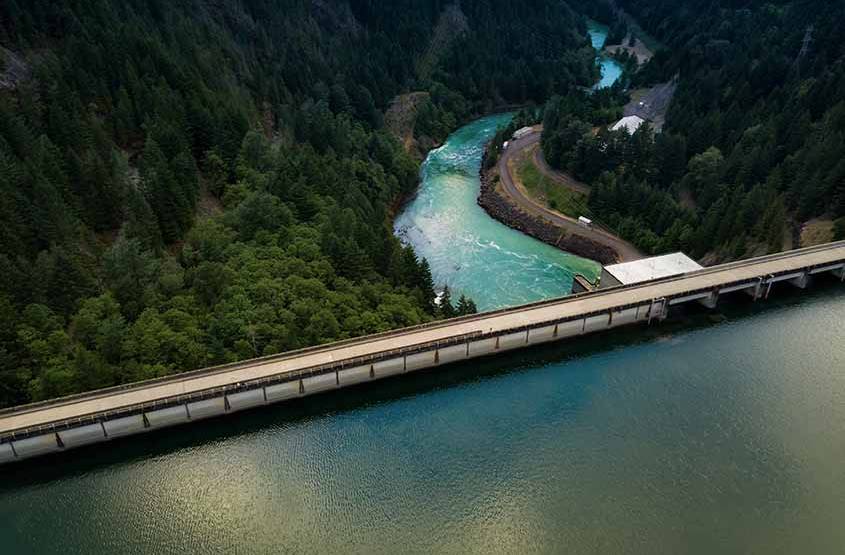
(625, 250)
(558, 177)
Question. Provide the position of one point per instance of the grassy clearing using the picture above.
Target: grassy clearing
(817, 232)
(551, 194)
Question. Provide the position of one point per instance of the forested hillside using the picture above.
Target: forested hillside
(755, 136)
(513, 53)
(189, 182)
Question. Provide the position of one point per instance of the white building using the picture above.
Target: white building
(647, 269)
(631, 123)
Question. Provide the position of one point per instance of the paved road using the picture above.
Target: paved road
(625, 250)
(653, 105)
(500, 321)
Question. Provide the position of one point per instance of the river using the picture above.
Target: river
(611, 70)
(468, 250)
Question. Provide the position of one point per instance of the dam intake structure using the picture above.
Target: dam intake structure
(63, 424)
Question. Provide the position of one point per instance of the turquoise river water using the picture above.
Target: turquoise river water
(712, 434)
(611, 70)
(467, 249)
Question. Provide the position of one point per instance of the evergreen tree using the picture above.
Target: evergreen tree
(446, 309)
(425, 283)
(466, 306)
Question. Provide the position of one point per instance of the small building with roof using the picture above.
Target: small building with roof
(629, 123)
(647, 269)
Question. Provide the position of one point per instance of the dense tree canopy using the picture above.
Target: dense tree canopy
(753, 143)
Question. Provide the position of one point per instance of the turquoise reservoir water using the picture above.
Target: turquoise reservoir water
(467, 249)
(717, 438)
(611, 70)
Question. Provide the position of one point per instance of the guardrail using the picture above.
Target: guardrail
(404, 331)
(289, 376)
(375, 357)
(199, 395)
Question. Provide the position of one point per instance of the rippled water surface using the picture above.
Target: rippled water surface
(466, 248)
(717, 438)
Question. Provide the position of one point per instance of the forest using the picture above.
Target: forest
(753, 142)
(191, 182)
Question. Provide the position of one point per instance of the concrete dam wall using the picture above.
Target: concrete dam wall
(292, 388)
(100, 416)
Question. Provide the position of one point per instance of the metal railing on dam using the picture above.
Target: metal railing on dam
(61, 424)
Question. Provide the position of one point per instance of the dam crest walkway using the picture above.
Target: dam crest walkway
(73, 421)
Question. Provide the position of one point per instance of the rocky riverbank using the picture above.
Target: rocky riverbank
(501, 209)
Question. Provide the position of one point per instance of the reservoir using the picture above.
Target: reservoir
(709, 438)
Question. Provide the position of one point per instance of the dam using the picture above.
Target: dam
(63, 424)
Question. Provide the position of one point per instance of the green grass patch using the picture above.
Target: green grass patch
(551, 194)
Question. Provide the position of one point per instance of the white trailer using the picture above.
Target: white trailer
(520, 133)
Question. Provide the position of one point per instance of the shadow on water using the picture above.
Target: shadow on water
(683, 320)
